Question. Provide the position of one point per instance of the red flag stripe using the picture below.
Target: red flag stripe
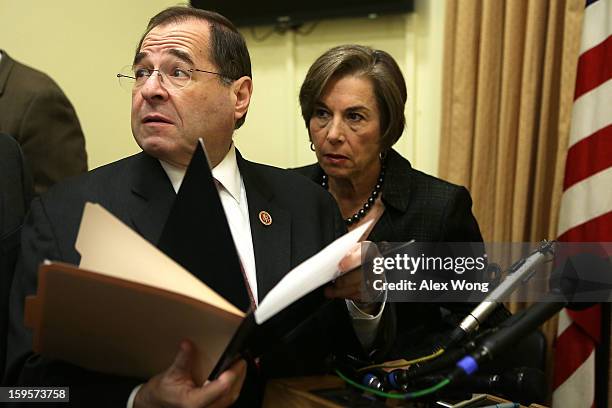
(589, 321)
(574, 352)
(589, 156)
(596, 229)
(594, 67)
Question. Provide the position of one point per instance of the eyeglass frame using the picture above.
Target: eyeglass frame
(160, 73)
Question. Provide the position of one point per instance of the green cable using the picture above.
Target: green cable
(409, 395)
(368, 389)
(430, 390)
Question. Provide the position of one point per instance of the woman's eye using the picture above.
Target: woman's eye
(355, 117)
(321, 113)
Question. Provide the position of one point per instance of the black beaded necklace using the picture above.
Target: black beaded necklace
(369, 203)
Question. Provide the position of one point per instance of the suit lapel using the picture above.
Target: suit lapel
(6, 65)
(271, 243)
(153, 197)
(396, 195)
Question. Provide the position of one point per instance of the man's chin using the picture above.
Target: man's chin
(164, 151)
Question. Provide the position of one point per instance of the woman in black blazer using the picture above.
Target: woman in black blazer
(352, 102)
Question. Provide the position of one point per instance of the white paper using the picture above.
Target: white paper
(309, 275)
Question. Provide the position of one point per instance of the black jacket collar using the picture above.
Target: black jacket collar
(153, 195)
(6, 65)
(398, 179)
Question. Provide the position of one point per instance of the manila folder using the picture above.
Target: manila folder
(115, 326)
(126, 315)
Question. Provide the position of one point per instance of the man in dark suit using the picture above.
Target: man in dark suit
(191, 78)
(35, 111)
(15, 196)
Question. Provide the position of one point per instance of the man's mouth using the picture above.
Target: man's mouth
(156, 118)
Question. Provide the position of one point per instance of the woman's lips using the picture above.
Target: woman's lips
(335, 158)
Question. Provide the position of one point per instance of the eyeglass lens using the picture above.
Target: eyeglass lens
(174, 74)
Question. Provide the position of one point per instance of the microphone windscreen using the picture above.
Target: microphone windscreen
(584, 279)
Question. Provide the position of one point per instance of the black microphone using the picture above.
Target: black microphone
(523, 323)
(520, 272)
(580, 277)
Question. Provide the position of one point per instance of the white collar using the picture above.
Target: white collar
(226, 173)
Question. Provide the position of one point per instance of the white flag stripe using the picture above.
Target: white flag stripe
(586, 200)
(564, 322)
(599, 18)
(567, 394)
(591, 112)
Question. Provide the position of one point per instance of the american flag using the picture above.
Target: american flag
(586, 204)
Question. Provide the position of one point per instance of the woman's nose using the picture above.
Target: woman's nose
(335, 132)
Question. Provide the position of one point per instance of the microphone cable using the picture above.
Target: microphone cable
(404, 363)
(404, 396)
(401, 377)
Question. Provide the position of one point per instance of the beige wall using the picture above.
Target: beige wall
(83, 44)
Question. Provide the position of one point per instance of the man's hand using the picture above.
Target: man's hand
(175, 387)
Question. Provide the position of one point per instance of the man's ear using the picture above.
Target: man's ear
(242, 89)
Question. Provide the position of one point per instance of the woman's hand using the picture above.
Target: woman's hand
(353, 284)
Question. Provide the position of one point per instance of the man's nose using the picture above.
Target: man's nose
(153, 88)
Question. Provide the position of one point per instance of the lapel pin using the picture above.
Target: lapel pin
(265, 218)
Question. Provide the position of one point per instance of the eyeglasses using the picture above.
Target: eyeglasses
(174, 75)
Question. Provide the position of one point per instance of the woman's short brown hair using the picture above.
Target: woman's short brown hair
(376, 65)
